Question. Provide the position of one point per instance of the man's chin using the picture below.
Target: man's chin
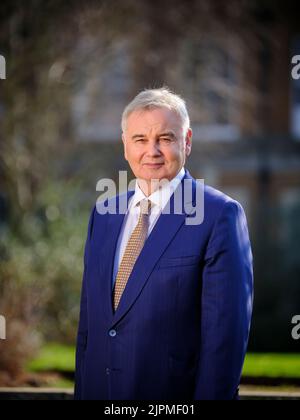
(153, 174)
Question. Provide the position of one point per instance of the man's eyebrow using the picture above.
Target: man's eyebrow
(165, 134)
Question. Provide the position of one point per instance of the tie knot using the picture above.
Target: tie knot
(145, 206)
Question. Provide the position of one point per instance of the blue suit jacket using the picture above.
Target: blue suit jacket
(181, 328)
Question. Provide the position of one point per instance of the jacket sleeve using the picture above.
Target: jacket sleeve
(83, 319)
(227, 300)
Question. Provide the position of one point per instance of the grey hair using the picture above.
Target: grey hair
(158, 98)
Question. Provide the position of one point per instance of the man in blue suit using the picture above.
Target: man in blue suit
(166, 304)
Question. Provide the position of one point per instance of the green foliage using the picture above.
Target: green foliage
(54, 357)
(60, 251)
(58, 357)
(47, 261)
(272, 365)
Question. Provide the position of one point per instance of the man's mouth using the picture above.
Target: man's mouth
(153, 165)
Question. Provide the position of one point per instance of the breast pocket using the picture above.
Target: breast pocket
(179, 261)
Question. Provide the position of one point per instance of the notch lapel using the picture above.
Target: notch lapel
(162, 234)
(107, 255)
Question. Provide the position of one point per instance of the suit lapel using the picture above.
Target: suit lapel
(107, 255)
(162, 234)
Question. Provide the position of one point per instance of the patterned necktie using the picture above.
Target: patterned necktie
(132, 251)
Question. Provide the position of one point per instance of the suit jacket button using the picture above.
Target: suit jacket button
(112, 333)
(107, 371)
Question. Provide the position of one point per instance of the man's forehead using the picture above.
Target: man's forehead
(156, 119)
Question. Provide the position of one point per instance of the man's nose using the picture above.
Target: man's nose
(153, 149)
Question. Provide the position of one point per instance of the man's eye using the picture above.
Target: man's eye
(166, 139)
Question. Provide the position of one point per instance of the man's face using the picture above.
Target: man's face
(155, 145)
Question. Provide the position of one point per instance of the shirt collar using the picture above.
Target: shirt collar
(160, 197)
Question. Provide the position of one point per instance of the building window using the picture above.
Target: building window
(102, 92)
(209, 80)
(290, 224)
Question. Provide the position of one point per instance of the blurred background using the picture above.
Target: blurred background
(71, 67)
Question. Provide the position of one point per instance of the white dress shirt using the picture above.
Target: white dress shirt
(159, 200)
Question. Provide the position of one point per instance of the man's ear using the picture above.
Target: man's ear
(124, 144)
(189, 141)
